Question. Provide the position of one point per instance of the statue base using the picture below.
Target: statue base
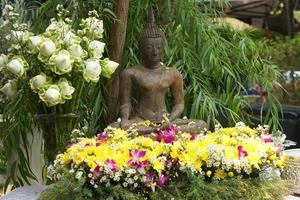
(184, 125)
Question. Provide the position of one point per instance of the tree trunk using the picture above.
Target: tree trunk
(117, 37)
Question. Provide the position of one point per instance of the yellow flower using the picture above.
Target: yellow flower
(158, 165)
(220, 174)
(208, 173)
(230, 174)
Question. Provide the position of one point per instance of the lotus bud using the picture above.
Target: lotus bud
(52, 95)
(10, 88)
(3, 61)
(34, 41)
(96, 48)
(92, 70)
(62, 62)
(112, 66)
(16, 67)
(38, 81)
(47, 48)
(76, 50)
(66, 89)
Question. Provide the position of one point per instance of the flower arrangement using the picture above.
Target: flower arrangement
(54, 70)
(53, 61)
(146, 165)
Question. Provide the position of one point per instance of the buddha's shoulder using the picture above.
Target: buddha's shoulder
(173, 71)
(131, 70)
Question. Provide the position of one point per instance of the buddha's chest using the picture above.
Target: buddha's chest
(154, 81)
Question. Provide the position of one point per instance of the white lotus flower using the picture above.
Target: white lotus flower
(92, 70)
(66, 89)
(76, 50)
(34, 42)
(38, 81)
(16, 67)
(112, 66)
(3, 61)
(10, 88)
(62, 62)
(96, 48)
(50, 94)
(47, 48)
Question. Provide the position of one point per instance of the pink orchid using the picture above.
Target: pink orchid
(266, 138)
(162, 180)
(96, 171)
(172, 129)
(241, 153)
(111, 164)
(102, 136)
(135, 157)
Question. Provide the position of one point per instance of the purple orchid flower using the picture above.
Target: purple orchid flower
(135, 156)
(112, 164)
(149, 178)
(162, 180)
(172, 129)
(102, 136)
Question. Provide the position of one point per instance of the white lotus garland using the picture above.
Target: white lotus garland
(56, 61)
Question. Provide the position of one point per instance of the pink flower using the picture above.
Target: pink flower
(102, 136)
(135, 158)
(266, 138)
(241, 153)
(162, 180)
(96, 171)
(111, 164)
(194, 136)
(168, 135)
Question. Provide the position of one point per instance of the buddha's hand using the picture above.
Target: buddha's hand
(125, 123)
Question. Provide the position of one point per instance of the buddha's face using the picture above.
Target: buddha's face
(152, 50)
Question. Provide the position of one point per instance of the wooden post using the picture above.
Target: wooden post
(117, 38)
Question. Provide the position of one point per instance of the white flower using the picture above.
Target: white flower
(79, 175)
(17, 36)
(92, 70)
(10, 88)
(38, 81)
(66, 89)
(16, 66)
(3, 61)
(76, 50)
(47, 48)
(50, 95)
(112, 66)
(60, 62)
(34, 42)
(96, 48)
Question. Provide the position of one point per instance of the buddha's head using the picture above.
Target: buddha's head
(151, 41)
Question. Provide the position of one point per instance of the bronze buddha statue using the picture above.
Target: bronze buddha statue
(143, 87)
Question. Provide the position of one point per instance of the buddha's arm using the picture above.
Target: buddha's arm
(125, 93)
(178, 95)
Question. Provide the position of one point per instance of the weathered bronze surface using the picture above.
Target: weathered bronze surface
(143, 87)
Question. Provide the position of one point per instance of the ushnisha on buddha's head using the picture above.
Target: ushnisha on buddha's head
(151, 42)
